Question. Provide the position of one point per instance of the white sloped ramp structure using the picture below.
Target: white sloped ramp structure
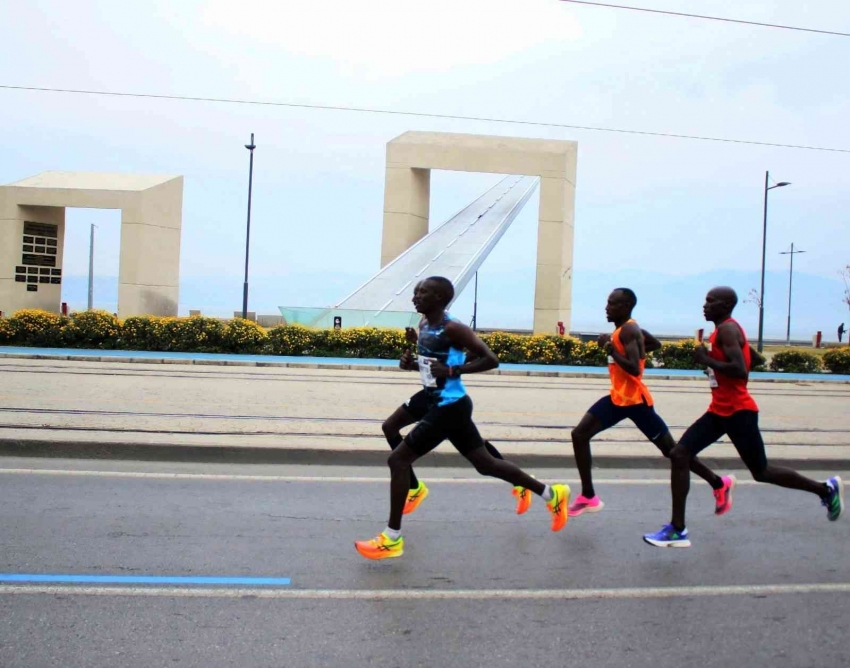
(456, 249)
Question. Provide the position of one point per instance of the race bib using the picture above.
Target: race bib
(712, 379)
(425, 375)
(611, 360)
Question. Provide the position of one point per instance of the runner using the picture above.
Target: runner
(441, 362)
(630, 398)
(412, 411)
(732, 412)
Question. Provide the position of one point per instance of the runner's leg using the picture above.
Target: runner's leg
(392, 427)
(702, 433)
(665, 443)
(746, 437)
(599, 417)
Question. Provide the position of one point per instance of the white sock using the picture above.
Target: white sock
(393, 534)
(547, 493)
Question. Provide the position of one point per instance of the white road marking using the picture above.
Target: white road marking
(295, 478)
(434, 594)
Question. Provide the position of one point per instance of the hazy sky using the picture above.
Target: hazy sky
(678, 208)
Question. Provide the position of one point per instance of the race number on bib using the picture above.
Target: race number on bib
(611, 360)
(428, 379)
(712, 378)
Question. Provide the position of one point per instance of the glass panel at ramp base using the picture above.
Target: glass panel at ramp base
(325, 318)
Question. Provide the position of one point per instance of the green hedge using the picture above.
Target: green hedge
(796, 361)
(837, 360)
(102, 330)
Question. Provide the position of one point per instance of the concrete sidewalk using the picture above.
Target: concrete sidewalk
(58, 408)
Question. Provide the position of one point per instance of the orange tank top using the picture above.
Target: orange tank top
(626, 389)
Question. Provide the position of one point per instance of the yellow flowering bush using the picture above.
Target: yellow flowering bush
(7, 333)
(93, 329)
(146, 332)
(33, 327)
(362, 342)
(244, 336)
(291, 340)
(99, 329)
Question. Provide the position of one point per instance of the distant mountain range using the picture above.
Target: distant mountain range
(666, 304)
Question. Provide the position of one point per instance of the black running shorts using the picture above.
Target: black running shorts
(645, 418)
(452, 422)
(742, 428)
(417, 406)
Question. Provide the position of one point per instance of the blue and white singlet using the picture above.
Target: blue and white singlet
(435, 345)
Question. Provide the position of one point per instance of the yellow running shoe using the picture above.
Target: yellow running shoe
(414, 498)
(380, 547)
(523, 499)
(558, 506)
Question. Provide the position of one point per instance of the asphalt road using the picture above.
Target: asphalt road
(477, 585)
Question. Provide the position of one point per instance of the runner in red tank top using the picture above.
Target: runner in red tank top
(732, 412)
(629, 399)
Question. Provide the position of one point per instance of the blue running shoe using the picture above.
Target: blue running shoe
(835, 501)
(668, 537)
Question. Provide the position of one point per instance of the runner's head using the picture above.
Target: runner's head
(719, 304)
(433, 294)
(621, 301)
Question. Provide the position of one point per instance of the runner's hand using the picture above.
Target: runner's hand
(439, 370)
(407, 362)
(701, 355)
(603, 340)
(411, 335)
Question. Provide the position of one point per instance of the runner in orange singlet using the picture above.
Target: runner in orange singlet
(732, 412)
(630, 398)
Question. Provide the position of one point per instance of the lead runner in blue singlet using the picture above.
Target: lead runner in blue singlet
(441, 362)
(411, 412)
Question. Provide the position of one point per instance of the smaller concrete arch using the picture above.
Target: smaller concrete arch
(32, 235)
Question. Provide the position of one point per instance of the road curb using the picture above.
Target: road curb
(389, 366)
(178, 452)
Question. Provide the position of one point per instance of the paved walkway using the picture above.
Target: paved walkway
(291, 415)
(216, 359)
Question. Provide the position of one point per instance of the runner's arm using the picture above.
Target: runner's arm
(463, 338)
(650, 343)
(630, 362)
(756, 358)
(730, 344)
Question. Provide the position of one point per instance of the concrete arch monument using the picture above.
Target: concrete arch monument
(32, 235)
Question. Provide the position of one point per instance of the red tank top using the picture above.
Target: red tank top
(729, 395)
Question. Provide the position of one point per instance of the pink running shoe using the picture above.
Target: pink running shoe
(584, 505)
(723, 496)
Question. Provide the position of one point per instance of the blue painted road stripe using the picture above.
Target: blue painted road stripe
(142, 579)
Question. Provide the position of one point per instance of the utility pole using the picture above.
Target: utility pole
(91, 268)
(251, 148)
(792, 253)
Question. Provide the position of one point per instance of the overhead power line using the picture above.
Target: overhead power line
(708, 18)
(419, 114)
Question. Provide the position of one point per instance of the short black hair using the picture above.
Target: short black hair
(727, 294)
(631, 297)
(444, 285)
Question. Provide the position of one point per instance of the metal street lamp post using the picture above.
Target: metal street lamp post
(763, 253)
(251, 148)
(792, 253)
(91, 268)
